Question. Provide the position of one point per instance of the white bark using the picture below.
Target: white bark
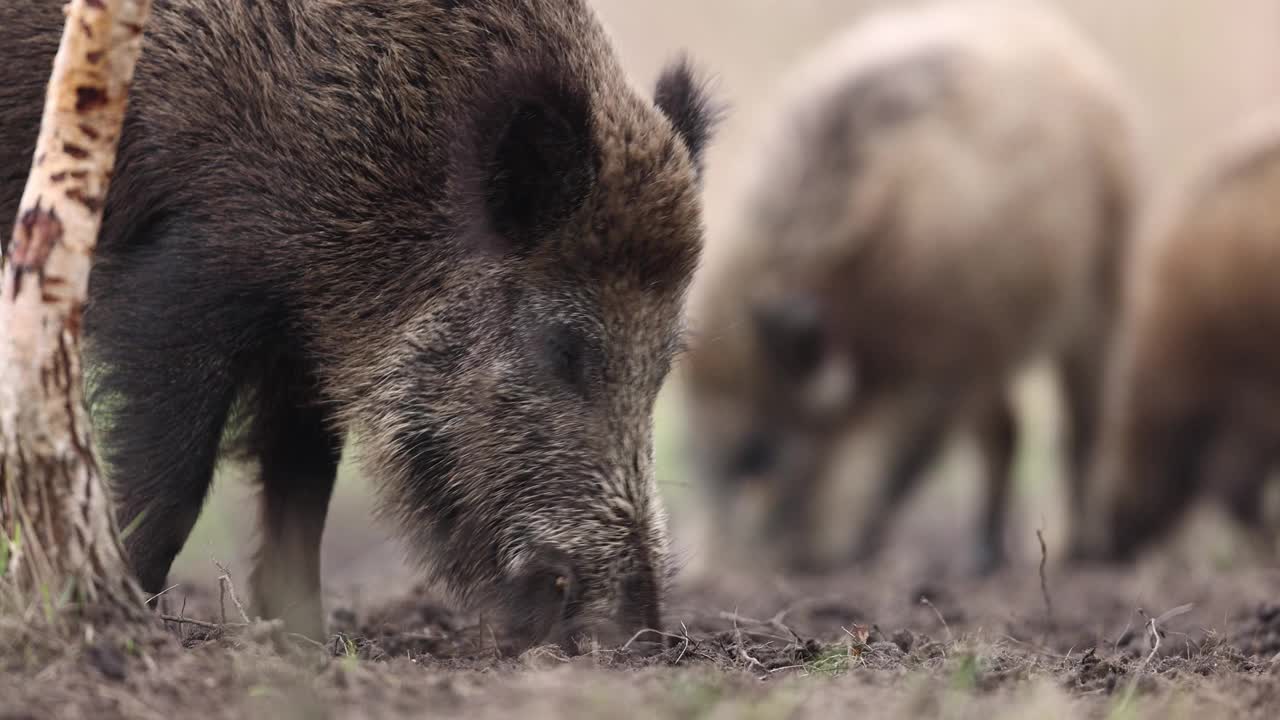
(52, 495)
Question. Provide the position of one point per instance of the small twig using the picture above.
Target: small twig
(1154, 631)
(1153, 626)
(735, 617)
(1168, 615)
(778, 616)
(1044, 583)
(747, 656)
(304, 638)
(859, 638)
(925, 601)
(162, 592)
(1038, 648)
(651, 631)
(198, 623)
(687, 640)
(776, 622)
(742, 651)
(225, 578)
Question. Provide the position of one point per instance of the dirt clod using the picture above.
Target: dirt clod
(108, 660)
(1259, 631)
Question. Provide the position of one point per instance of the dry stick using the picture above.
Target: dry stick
(1154, 630)
(684, 629)
(925, 601)
(304, 638)
(1038, 648)
(222, 601)
(776, 622)
(650, 631)
(231, 590)
(198, 623)
(742, 652)
(162, 592)
(1044, 583)
(735, 617)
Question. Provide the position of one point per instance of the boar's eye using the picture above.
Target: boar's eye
(791, 334)
(756, 454)
(567, 355)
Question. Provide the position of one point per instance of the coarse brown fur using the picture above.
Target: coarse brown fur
(944, 195)
(1194, 384)
(450, 229)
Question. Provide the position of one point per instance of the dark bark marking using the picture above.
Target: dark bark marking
(74, 320)
(34, 236)
(89, 97)
(93, 203)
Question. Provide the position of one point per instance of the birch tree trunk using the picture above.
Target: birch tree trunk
(58, 524)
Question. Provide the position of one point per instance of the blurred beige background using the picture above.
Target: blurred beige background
(1196, 68)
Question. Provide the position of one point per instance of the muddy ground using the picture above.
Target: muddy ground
(914, 636)
(893, 641)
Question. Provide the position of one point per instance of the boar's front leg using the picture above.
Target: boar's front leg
(997, 440)
(1238, 468)
(915, 446)
(299, 458)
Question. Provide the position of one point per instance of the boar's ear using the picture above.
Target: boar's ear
(542, 167)
(683, 97)
(789, 332)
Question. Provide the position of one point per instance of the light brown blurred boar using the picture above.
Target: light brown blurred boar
(1195, 385)
(943, 194)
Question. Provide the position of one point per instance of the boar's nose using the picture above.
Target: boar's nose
(639, 607)
(544, 599)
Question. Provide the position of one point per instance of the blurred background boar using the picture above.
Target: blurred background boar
(943, 195)
(1193, 401)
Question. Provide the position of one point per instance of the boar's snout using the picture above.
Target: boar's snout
(552, 603)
